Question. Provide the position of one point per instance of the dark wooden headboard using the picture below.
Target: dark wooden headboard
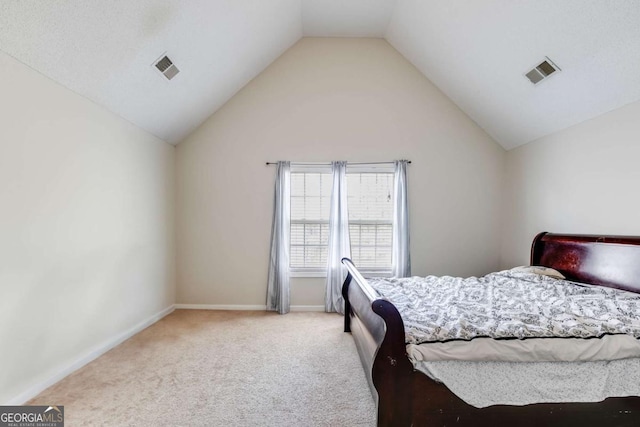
(612, 261)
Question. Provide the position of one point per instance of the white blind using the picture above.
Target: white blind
(369, 197)
(310, 204)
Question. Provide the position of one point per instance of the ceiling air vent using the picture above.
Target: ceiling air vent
(542, 71)
(166, 67)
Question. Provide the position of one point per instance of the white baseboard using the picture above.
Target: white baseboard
(221, 307)
(244, 307)
(89, 356)
(307, 308)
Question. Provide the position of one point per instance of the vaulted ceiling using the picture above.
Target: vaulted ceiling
(476, 52)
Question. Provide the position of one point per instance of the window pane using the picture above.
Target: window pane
(326, 184)
(383, 256)
(312, 208)
(297, 184)
(368, 235)
(310, 198)
(325, 207)
(312, 234)
(355, 255)
(370, 196)
(314, 256)
(297, 234)
(367, 256)
(354, 234)
(385, 234)
(323, 256)
(312, 184)
(297, 208)
(324, 234)
(297, 256)
(370, 218)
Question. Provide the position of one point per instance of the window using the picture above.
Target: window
(370, 202)
(310, 204)
(369, 198)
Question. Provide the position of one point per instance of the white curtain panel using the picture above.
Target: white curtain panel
(339, 243)
(401, 258)
(278, 289)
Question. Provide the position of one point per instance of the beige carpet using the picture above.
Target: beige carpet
(223, 368)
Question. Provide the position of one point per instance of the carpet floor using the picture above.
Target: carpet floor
(223, 368)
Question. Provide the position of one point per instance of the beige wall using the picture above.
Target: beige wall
(86, 238)
(332, 99)
(585, 179)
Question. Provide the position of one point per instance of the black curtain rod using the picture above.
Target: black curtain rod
(329, 164)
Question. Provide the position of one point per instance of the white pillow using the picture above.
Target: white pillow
(544, 271)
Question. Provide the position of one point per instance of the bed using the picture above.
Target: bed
(407, 397)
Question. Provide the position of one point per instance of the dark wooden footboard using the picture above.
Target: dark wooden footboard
(406, 397)
(378, 331)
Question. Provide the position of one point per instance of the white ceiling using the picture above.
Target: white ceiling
(346, 18)
(474, 51)
(104, 50)
(478, 51)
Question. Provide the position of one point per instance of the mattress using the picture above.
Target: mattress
(482, 384)
(609, 347)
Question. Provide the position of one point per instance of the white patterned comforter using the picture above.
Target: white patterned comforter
(508, 304)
